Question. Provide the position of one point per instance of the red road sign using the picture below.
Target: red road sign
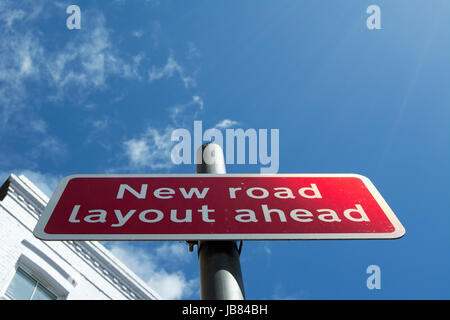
(217, 207)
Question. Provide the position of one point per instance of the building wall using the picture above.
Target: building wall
(72, 270)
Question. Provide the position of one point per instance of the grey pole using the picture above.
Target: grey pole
(220, 268)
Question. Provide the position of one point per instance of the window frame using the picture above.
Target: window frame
(37, 283)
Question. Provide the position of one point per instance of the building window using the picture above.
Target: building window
(24, 287)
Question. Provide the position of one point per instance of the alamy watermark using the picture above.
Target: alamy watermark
(373, 22)
(74, 20)
(234, 145)
(374, 280)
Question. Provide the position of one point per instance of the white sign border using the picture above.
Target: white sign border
(45, 217)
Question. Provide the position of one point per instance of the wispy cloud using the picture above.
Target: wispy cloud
(152, 3)
(137, 33)
(82, 64)
(90, 59)
(279, 293)
(152, 148)
(171, 68)
(226, 123)
(86, 61)
(182, 114)
(51, 146)
(156, 32)
(193, 51)
(149, 265)
(20, 55)
(28, 67)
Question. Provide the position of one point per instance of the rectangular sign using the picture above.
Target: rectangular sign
(217, 207)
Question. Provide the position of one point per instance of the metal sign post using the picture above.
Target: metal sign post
(220, 268)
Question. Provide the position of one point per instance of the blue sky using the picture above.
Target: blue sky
(346, 99)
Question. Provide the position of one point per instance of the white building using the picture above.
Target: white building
(35, 269)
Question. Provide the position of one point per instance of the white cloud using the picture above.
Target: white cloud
(8, 14)
(267, 249)
(137, 33)
(199, 101)
(146, 264)
(152, 3)
(156, 32)
(175, 251)
(172, 67)
(90, 59)
(49, 147)
(171, 285)
(20, 55)
(83, 64)
(53, 146)
(86, 61)
(279, 293)
(100, 124)
(184, 113)
(193, 51)
(151, 150)
(226, 123)
(137, 151)
(38, 125)
(11, 15)
(99, 132)
(24, 61)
